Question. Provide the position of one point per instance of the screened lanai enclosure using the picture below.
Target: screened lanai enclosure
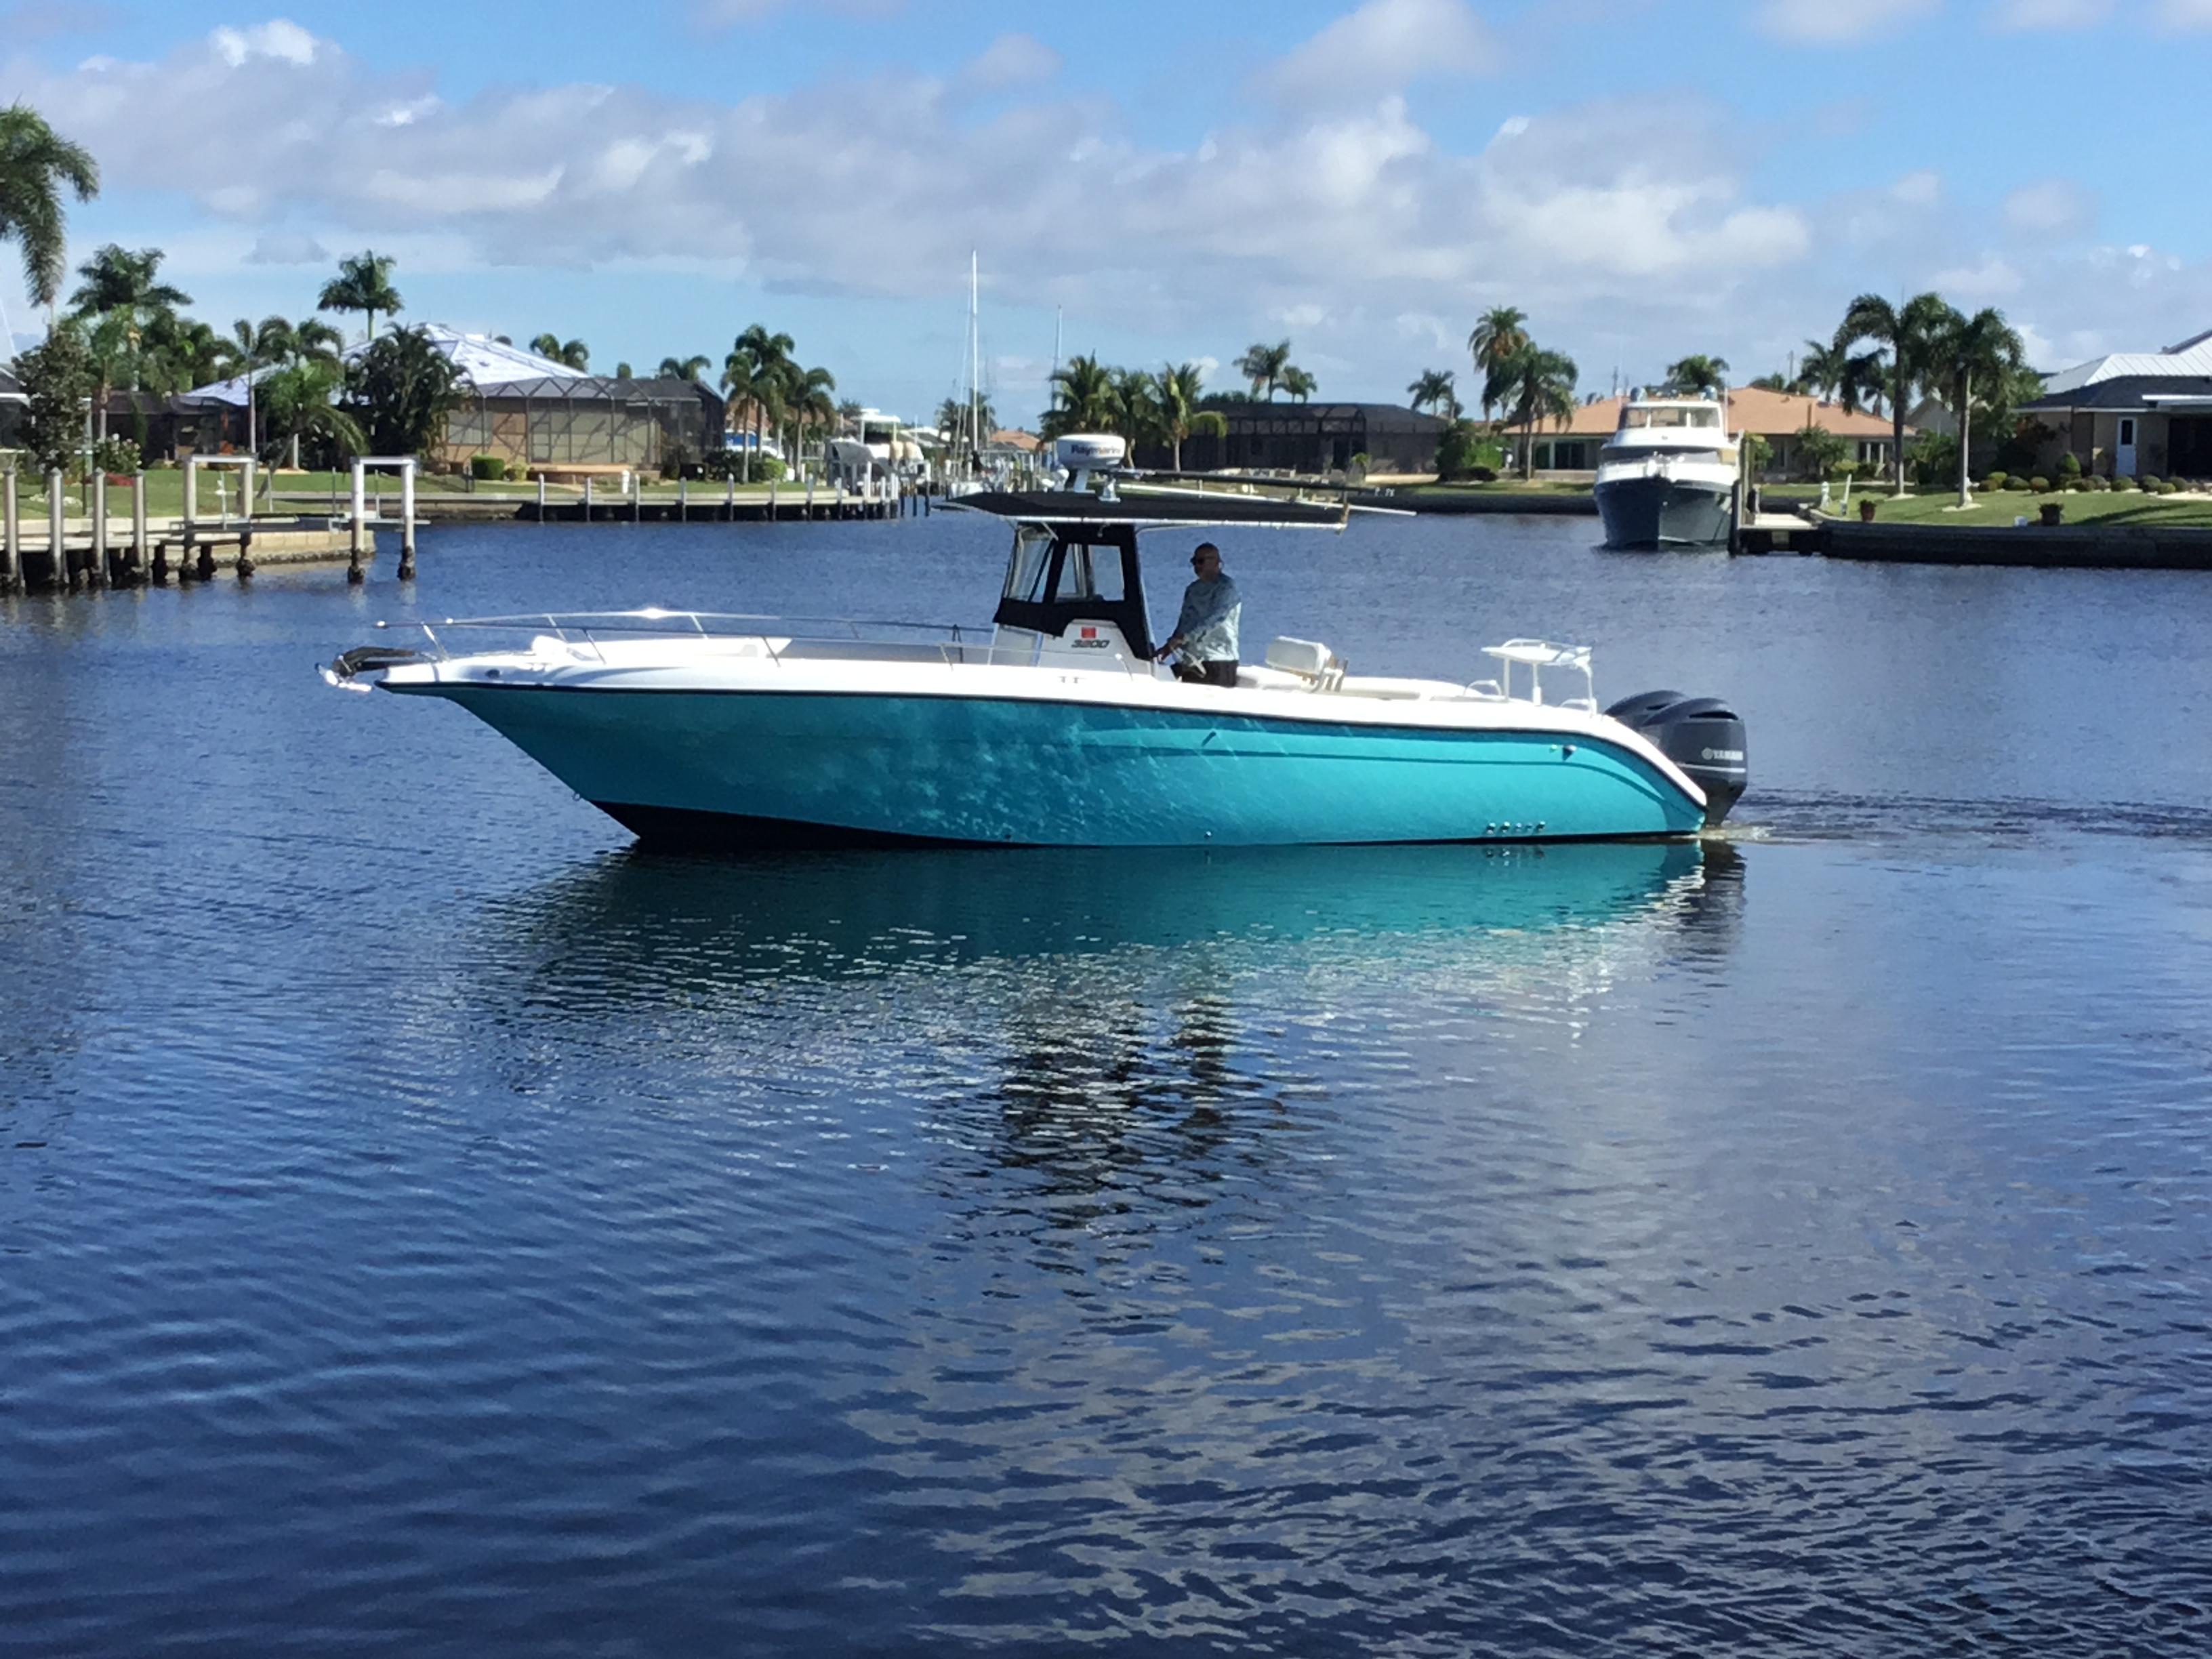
(586, 420)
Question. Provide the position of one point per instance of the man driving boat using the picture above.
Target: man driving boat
(1205, 634)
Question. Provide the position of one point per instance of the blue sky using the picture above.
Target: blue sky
(1645, 178)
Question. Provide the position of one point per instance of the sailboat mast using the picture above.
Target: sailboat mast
(974, 363)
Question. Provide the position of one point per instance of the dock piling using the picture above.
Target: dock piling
(57, 544)
(407, 524)
(99, 571)
(356, 569)
(138, 561)
(11, 535)
(587, 498)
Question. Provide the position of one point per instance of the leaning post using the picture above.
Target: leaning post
(407, 521)
(11, 535)
(357, 571)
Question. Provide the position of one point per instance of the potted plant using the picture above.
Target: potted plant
(2051, 512)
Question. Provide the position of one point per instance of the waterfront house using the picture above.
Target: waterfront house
(532, 411)
(1566, 451)
(2131, 413)
(13, 406)
(1309, 438)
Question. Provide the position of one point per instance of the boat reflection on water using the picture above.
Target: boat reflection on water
(1078, 1020)
(646, 923)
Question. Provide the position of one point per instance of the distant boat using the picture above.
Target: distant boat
(1668, 475)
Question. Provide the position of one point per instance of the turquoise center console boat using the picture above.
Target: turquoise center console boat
(1053, 726)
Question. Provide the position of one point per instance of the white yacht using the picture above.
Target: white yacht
(1668, 476)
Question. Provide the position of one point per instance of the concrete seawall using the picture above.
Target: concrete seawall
(2075, 547)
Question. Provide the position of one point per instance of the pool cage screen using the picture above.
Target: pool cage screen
(646, 424)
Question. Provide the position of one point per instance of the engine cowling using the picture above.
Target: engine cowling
(1702, 735)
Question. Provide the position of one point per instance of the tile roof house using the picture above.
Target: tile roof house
(1777, 416)
(2132, 412)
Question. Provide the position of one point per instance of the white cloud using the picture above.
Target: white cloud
(282, 248)
(2054, 207)
(1012, 60)
(1991, 278)
(282, 39)
(1921, 189)
(1833, 22)
(1385, 46)
(2019, 15)
(2183, 16)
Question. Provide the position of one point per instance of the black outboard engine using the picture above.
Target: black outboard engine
(1701, 735)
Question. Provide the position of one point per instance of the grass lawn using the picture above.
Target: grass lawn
(2131, 507)
(1498, 487)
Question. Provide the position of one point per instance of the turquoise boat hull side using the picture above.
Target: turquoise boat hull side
(810, 768)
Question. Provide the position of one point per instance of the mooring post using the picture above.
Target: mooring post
(587, 498)
(11, 535)
(407, 522)
(357, 567)
(99, 569)
(138, 560)
(771, 499)
(192, 515)
(730, 497)
(541, 498)
(684, 501)
(810, 496)
(636, 480)
(57, 544)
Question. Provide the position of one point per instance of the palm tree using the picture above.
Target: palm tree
(312, 345)
(1264, 366)
(1433, 390)
(1177, 389)
(1136, 394)
(1536, 385)
(364, 284)
(755, 373)
(1502, 331)
(123, 301)
(809, 399)
(1982, 345)
(1083, 400)
(251, 348)
(1908, 332)
(683, 368)
(953, 419)
(1697, 375)
(300, 400)
(36, 165)
(1300, 385)
(573, 354)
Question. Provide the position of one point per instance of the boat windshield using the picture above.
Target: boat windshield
(1648, 414)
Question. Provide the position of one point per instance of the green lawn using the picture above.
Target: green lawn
(311, 493)
(2000, 507)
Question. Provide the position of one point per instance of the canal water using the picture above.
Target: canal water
(428, 1226)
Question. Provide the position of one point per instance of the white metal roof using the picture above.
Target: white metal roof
(2192, 357)
(484, 363)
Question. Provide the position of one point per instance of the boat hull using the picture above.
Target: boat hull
(1656, 512)
(751, 767)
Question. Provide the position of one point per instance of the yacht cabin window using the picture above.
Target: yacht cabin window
(1650, 415)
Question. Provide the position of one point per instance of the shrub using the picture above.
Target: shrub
(2069, 465)
(2097, 484)
(490, 468)
(2077, 484)
(731, 464)
(2167, 487)
(2121, 481)
(1995, 481)
(2150, 481)
(115, 455)
(1456, 450)
(2040, 486)
(1483, 474)
(2016, 483)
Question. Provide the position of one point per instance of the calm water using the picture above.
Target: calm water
(427, 1227)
